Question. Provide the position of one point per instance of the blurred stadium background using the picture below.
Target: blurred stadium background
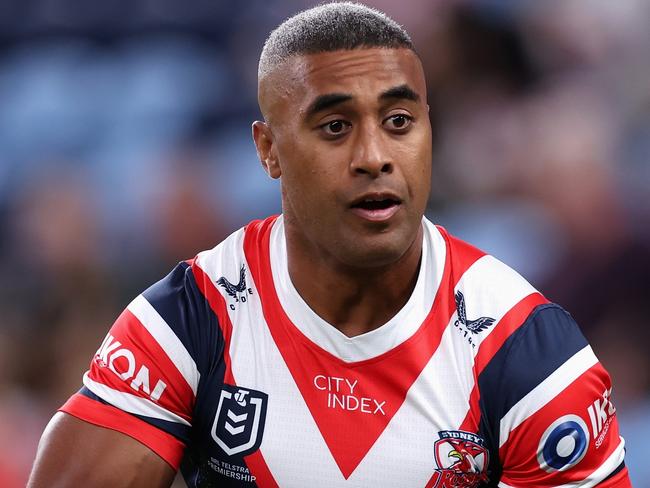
(125, 147)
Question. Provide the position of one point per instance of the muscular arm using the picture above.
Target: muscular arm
(75, 453)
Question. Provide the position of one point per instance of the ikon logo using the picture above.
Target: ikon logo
(239, 422)
(600, 414)
(121, 361)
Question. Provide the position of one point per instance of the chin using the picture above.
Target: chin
(374, 252)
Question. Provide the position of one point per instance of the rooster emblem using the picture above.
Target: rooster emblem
(474, 326)
(231, 289)
(461, 459)
(465, 461)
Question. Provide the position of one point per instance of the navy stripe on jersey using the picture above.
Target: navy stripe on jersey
(181, 304)
(547, 339)
(180, 431)
(521, 364)
(86, 392)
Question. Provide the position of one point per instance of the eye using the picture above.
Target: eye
(398, 122)
(335, 128)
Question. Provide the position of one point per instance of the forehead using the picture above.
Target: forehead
(346, 67)
(362, 73)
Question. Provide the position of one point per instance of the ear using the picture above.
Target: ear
(266, 150)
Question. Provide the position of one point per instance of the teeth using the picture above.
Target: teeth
(378, 201)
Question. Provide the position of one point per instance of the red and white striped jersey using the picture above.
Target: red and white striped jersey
(222, 369)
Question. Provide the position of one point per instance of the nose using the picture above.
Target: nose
(371, 153)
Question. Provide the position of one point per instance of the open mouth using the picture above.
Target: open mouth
(376, 207)
(376, 204)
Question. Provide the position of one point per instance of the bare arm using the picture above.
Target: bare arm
(75, 453)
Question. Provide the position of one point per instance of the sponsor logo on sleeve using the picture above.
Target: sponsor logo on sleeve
(239, 422)
(601, 412)
(121, 361)
(461, 458)
(563, 444)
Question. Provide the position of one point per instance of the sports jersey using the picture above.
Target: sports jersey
(223, 370)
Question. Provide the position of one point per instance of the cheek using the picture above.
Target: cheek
(419, 155)
(425, 155)
(308, 168)
(306, 185)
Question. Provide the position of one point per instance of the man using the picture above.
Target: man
(348, 342)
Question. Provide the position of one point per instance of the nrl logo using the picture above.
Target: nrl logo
(239, 422)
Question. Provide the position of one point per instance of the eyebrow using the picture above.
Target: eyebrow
(329, 100)
(404, 92)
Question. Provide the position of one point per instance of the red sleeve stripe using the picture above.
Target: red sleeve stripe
(163, 444)
(167, 340)
(131, 403)
(546, 391)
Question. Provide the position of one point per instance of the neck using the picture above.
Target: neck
(352, 299)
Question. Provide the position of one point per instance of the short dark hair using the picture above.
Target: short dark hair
(331, 27)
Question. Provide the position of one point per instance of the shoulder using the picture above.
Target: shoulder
(188, 305)
(473, 267)
(532, 336)
(223, 263)
(547, 346)
(485, 291)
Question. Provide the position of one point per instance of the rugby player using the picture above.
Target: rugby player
(348, 342)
